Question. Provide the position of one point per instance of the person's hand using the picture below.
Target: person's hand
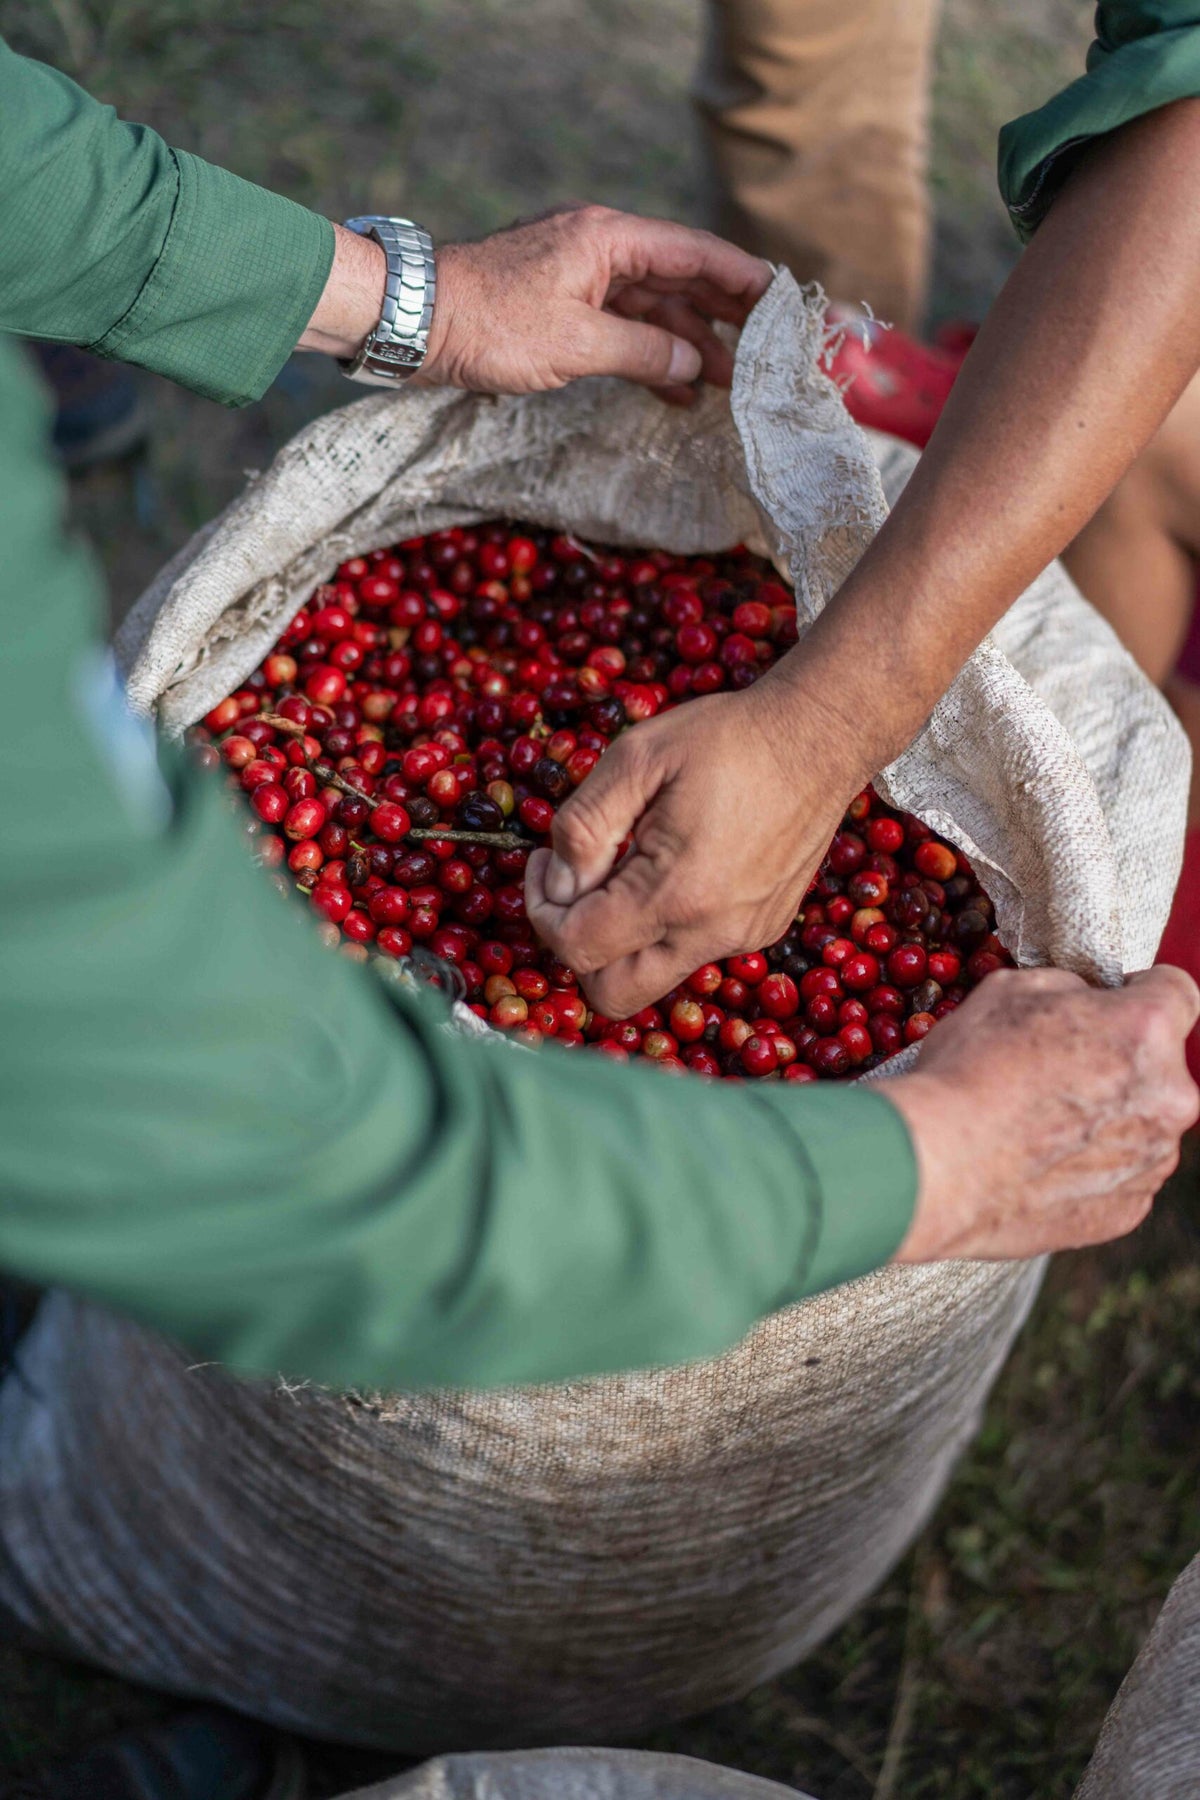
(588, 291)
(1046, 1114)
(732, 801)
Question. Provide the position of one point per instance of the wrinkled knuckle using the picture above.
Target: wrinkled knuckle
(635, 752)
(1140, 1016)
(576, 953)
(1056, 981)
(1166, 1167)
(605, 995)
(1167, 975)
(1184, 1105)
(1166, 1085)
(663, 832)
(1135, 1211)
(1158, 1030)
(569, 943)
(579, 828)
(687, 902)
(591, 217)
(1151, 1002)
(1042, 980)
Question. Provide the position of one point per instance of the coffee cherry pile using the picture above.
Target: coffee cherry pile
(407, 742)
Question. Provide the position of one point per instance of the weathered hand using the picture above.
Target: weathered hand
(1047, 1114)
(588, 291)
(732, 801)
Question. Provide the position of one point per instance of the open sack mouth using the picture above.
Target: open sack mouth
(410, 738)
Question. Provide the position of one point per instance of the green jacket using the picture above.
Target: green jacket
(207, 1120)
(1146, 54)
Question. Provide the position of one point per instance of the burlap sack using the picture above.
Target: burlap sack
(1149, 1748)
(575, 1775)
(578, 1562)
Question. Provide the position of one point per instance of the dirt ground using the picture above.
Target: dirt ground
(983, 1667)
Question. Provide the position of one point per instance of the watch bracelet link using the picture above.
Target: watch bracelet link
(396, 348)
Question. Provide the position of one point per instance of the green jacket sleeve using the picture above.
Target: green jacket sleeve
(112, 240)
(1146, 54)
(212, 1123)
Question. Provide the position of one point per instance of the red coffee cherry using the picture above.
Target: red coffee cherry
(467, 682)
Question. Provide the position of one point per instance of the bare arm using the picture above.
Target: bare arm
(352, 299)
(1093, 338)
(1088, 347)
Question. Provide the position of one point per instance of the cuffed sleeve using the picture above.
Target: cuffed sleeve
(862, 1183)
(1146, 55)
(112, 240)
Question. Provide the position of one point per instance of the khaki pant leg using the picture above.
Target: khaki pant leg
(816, 118)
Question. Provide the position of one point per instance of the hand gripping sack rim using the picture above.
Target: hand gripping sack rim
(577, 1562)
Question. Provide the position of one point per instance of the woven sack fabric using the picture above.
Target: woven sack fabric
(578, 1562)
(575, 1775)
(1149, 1747)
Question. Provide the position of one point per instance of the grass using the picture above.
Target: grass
(983, 1667)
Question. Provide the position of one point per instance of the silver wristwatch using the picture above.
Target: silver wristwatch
(396, 348)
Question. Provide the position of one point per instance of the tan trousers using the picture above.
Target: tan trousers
(816, 119)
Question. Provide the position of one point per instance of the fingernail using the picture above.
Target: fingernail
(685, 362)
(561, 885)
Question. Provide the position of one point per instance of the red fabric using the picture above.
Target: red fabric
(956, 335)
(893, 383)
(1181, 940)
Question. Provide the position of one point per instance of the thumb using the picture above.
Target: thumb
(608, 345)
(589, 830)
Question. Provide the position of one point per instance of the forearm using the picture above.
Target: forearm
(1093, 338)
(351, 299)
(214, 1125)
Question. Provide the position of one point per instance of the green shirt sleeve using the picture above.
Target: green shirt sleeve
(210, 1122)
(1146, 54)
(111, 239)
